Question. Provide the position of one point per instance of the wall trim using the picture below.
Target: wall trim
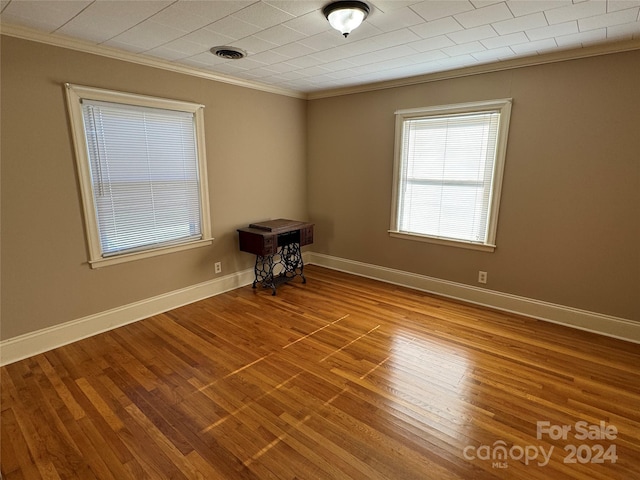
(607, 325)
(26, 33)
(519, 62)
(33, 343)
(30, 34)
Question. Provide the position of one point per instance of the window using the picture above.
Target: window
(448, 173)
(141, 163)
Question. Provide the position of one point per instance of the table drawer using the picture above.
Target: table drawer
(306, 236)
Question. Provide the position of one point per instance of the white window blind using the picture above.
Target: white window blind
(144, 175)
(446, 173)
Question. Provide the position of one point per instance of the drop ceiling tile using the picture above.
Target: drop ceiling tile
(42, 25)
(281, 67)
(391, 39)
(576, 12)
(269, 57)
(246, 63)
(520, 8)
(296, 7)
(457, 62)
(278, 69)
(323, 41)
(387, 6)
(434, 43)
(435, 9)
(125, 46)
(534, 47)
(148, 35)
(262, 15)
(253, 44)
(403, 62)
(346, 52)
(313, 71)
(44, 15)
(395, 19)
(615, 5)
(292, 75)
(437, 27)
(177, 16)
(233, 28)
(104, 20)
(229, 68)
(331, 55)
(350, 50)
(255, 74)
(383, 55)
(280, 35)
(205, 59)
(505, 40)
(552, 31)
(346, 73)
(339, 65)
(423, 62)
(312, 23)
(520, 24)
(494, 55)
(484, 16)
(212, 10)
(484, 3)
(609, 20)
(305, 62)
(365, 70)
(624, 32)
(465, 48)
(582, 38)
(327, 77)
(202, 38)
(473, 34)
(166, 53)
(293, 50)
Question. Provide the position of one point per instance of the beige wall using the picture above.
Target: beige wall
(256, 150)
(569, 225)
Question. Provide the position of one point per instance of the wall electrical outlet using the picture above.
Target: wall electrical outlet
(217, 267)
(482, 277)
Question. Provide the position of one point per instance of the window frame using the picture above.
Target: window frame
(75, 95)
(503, 106)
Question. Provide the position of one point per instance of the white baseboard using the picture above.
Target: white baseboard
(29, 344)
(572, 317)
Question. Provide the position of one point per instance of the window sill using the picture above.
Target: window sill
(443, 241)
(129, 257)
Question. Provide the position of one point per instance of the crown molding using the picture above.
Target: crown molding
(26, 33)
(521, 62)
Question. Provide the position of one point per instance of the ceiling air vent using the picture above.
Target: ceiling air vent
(230, 53)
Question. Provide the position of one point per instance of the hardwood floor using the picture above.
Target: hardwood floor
(341, 378)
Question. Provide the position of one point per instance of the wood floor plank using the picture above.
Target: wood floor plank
(341, 378)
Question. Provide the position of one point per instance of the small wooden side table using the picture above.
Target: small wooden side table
(276, 245)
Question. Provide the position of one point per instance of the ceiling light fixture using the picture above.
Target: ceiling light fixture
(346, 16)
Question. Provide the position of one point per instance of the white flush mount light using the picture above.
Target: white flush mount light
(346, 16)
